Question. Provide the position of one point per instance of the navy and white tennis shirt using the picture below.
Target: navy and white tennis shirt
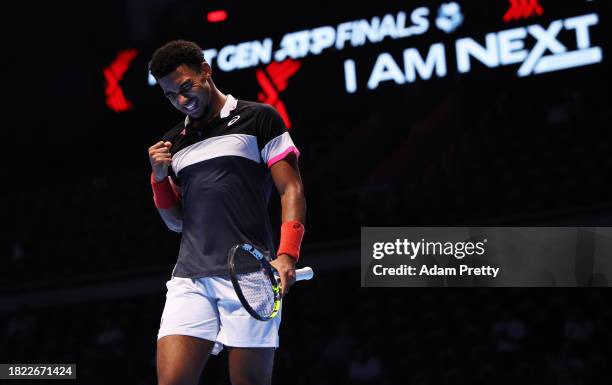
(223, 173)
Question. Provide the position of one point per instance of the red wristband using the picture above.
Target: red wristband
(163, 194)
(292, 233)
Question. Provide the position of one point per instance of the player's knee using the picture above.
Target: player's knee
(176, 380)
(249, 378)
(176, 377)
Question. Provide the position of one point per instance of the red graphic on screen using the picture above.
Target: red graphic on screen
(216, 16)
(273, 81)
(523, 9)
(115, 100)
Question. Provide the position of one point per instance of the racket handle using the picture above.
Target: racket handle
(304, 274)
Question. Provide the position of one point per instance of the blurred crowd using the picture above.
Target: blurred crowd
(336, 333)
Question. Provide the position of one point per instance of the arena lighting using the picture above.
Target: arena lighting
(216, 16)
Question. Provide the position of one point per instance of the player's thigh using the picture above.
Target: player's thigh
(189, 325)
(180, 359)
(251, 366)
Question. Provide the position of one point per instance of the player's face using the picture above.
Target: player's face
(188, 90)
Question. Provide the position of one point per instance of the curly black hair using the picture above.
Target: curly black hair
(172, 54)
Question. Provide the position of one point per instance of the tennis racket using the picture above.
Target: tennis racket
(256, 282)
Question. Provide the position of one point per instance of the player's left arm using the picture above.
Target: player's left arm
(288, 182)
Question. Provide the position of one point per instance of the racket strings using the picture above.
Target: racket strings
(258, 291)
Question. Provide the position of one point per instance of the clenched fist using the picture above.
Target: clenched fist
(160, 158)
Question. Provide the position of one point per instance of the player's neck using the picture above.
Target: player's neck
(218, 101)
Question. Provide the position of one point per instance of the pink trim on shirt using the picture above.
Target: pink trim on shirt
(283, 154)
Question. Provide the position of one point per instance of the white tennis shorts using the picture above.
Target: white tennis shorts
(209, 308)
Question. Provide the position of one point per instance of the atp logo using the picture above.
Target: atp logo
(273, 81)
(115, 99)
(449, 17)
(523, 9)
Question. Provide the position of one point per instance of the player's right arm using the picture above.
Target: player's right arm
(166, 198)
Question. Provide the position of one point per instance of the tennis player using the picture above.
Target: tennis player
(212, 178)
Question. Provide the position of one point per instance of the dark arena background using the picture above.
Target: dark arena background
(407, 113)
